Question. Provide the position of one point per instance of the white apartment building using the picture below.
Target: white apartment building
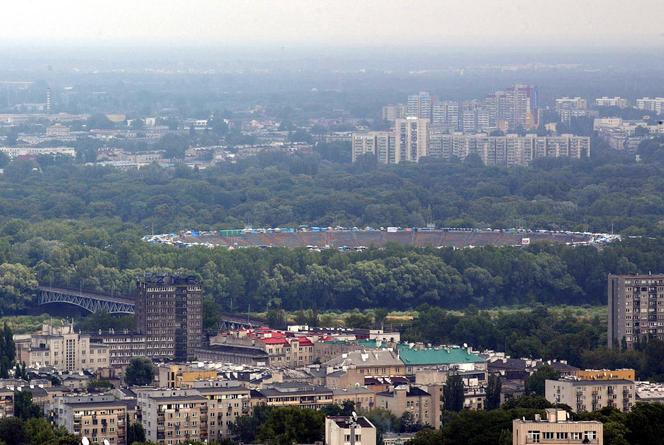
(411, 139)
(61, 348)
(591, 395)
(616, 101)
(651, 104)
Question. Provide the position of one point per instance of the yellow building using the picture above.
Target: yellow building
(606, 374)
(182, 376)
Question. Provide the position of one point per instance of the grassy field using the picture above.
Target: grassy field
(24, 324)
(398, 319)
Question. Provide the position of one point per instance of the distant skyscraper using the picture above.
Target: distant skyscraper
(49, 101)
(635, 308)
(516, 106)
(411, 139)
(169, 314)
(379, 144)
(394, 112)
(445, 116)
(419, 105)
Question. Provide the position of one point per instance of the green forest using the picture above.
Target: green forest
(69, 225)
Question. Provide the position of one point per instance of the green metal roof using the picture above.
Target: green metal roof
(436, 356)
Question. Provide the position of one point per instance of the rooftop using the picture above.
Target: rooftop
(437, 356)
(346, 422)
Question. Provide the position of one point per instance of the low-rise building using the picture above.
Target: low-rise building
(649, 392)
(182, 375)
(591, 395)
(362, 397)
(410, 399)
(443, 359)
(342, 430)
(350, 369)
(98, 418)
(556, 429)
(294, 394)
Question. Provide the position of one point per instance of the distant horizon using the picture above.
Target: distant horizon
(345, 23)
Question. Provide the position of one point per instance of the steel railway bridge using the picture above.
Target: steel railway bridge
(92, 302)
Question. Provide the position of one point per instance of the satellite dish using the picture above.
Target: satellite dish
(85, 441)
(354, 415)
(106, 442)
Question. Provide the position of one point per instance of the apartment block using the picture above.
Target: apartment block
(168, 313)
(61, 348)
(419, 105)
(591, 395)
(224, 406)
(391, 113)
(655, 104)
(616, 101)
(173, 417)
(378, 144)
(556, 429)
(636, 308)
(412, 399)
(411, 139)
(509, 150)
(97, 417)
(294, 394)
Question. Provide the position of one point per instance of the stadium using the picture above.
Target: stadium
(356, 239)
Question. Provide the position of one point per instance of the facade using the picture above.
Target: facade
(224, 406)
(606, 374)
(379, 144)
(391, 113)
(571, 103)
(611, 102)
(419, 105)
(509, 150)
(295, 394)
(168, 313)
(362, 397)
(122, 347)
(556, 429)
(591, 395)
(411, 139)
(181, 376)
(282, 349)
(445, 116)
(343, 430)
(98, 418)
(655, 104)
(173, 417)
(61, 348)
(412, 399)
(636, 308)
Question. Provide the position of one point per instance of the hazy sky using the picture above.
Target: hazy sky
(335, 22)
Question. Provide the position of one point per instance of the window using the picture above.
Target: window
(561, 436)
(534, 436)
(547, 435)
(590, 435)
